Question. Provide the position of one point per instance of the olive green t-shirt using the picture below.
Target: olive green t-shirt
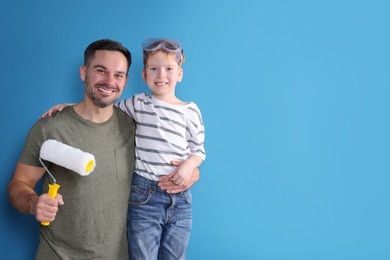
(92, 222)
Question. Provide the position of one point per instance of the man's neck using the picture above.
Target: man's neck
(91, 112)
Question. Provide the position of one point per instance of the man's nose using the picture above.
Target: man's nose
(109, 78)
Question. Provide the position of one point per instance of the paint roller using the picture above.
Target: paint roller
(68, 157)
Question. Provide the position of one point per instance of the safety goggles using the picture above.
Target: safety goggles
(154, 44)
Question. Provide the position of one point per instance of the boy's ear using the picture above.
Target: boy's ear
(181, 74)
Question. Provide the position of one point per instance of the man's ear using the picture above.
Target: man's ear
(83, 72)
(144, 75)
(127, 79)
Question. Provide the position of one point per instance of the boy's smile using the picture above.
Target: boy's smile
(162, 73)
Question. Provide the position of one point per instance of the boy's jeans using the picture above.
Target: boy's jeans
(159, 224)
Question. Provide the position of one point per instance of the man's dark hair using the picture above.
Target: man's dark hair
(106, 45)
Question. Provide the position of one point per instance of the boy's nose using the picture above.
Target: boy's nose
(161, 73)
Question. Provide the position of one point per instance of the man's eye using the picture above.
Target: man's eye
(119, 76)
(100, 71)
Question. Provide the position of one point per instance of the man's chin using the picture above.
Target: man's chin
(103, 104)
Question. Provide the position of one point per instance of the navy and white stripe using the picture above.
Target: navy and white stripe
(165, 132)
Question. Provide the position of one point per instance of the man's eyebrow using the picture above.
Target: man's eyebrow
(99, 66)
(121, 72)
(103, 67)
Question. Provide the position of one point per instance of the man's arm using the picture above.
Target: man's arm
(24, 198)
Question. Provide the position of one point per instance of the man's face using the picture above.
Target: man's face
(105, 77)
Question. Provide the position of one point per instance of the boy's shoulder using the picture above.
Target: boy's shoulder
(132, 99)
(193, 105)
(138, 96)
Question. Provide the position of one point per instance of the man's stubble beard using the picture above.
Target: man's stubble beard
(96, 100)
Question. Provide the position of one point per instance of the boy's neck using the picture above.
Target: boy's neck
(173, 100)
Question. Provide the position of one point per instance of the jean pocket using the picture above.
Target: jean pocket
(188, 196)
(139, 195)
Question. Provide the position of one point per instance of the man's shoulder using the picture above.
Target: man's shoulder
(57, 117)
(123, 115)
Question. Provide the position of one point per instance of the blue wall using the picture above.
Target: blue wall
(295, 99)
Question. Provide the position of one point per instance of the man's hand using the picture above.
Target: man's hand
(166, 183)
(46, 207)
(24, 198)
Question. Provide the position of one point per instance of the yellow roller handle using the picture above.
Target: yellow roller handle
(53, 188)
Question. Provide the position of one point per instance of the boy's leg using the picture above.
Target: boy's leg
(176, 232)
(145, 219)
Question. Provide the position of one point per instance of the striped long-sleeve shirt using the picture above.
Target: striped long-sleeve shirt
(164, 133)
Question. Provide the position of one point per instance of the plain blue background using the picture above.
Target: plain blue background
(294, 96)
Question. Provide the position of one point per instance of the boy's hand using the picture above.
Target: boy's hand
(56, 108)
(166, 183)
(182, 174)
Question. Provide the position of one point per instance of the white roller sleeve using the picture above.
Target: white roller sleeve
(67, 156)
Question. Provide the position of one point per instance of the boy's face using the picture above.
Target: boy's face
(105, 77)
(161, 73)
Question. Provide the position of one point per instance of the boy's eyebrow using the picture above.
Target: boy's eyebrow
(103, 67)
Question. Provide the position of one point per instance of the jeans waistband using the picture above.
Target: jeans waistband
(142, 181)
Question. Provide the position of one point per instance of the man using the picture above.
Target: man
(89, 214)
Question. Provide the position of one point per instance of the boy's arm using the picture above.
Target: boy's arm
(56, 108)
(127, 105)
(60, 107)
(187, 173)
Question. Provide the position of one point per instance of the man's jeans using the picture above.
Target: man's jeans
(159, 224)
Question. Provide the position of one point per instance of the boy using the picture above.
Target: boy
(168, 129)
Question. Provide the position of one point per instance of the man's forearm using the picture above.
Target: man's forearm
(22, 197)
